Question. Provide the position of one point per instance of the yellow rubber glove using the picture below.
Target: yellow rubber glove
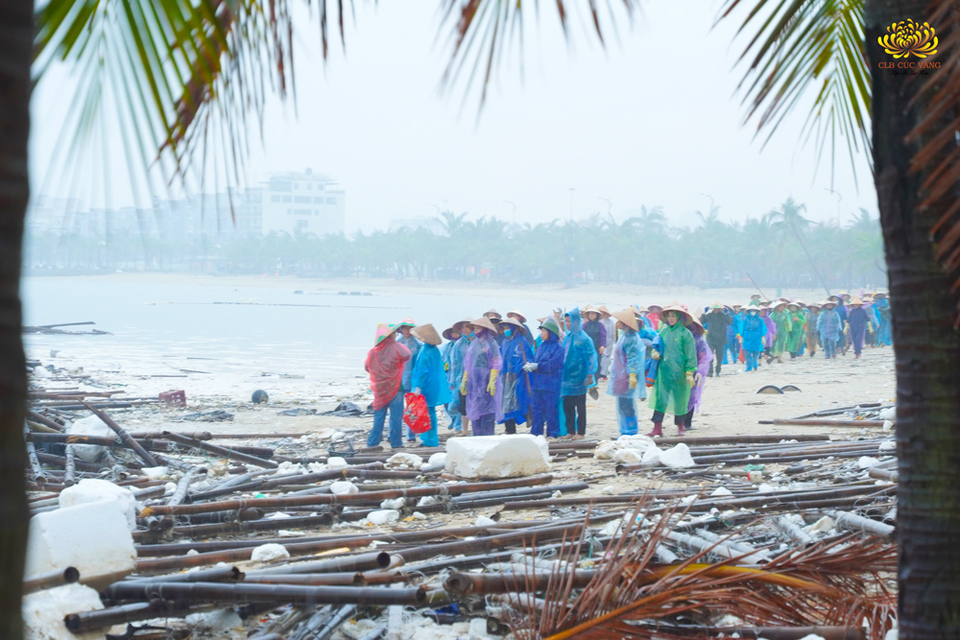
(463, 384)
(492, 384)
(633, 381)
(446, 366)
(655, 354)
(689, 378)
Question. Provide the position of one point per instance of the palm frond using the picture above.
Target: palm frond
(939, 154)
(485, 30)
(178, 82)
(798, 46)
(839, 582)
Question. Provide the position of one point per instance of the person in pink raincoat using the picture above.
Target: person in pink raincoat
(385, 364)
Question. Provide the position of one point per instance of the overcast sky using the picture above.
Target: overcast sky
(652, 120)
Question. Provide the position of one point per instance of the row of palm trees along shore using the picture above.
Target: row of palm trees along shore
(781, 248)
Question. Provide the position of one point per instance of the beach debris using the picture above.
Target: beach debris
(259, 397)
(505, 456)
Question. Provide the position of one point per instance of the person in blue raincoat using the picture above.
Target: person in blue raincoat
(515, 382)
(626, 375)
(458, 354)
(429, 379)
(406, 339)
(546, 372)
(522, 319)
(452, 335)
(884, 333)
(752, 330)
(579, 367)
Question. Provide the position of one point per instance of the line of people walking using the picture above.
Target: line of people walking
(494, 370)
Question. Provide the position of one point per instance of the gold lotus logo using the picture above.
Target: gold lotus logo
(908, 37)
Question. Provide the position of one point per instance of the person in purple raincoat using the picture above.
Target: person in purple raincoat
(705, 356)
(480, 382)
(771, 336)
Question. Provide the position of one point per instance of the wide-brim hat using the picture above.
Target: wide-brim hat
(458, 325)
(448, 333)
(830, 297)
(695, 327)
(627, 317)
(589, 309)
(813, 305)
(779, 303)
(717, 305)
(675, 306)
(855, 301)
(879, 294)
(638, 309)
(826, 302)
(426, 333)
(651, 307)
(406, 322)
(604, 311)
(484, 323)
(494, 313)
(518, 314)
(383, 332)
(511, 321)
(797, 303)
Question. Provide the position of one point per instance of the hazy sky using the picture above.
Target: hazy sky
(651, 120)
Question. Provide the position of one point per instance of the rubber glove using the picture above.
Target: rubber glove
(698, 377)
(446, 366)
(492, 384)
(689, 378)
(633, 381)
(530, 366)
(655, 354)
(463, 384)
(588, 382)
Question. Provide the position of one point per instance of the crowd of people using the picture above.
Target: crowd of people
(494, 370)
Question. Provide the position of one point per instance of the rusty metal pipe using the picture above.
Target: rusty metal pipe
(52, 579)
(124, 436)
(199, 592)
(229, 454)
(466, 584)
(343, 578)
(103, 618)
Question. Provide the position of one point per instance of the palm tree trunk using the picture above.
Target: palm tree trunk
(927, 352)
(16, 44)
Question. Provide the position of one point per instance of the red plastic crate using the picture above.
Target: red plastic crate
(174, 398)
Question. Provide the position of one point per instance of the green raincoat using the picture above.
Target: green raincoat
(784, 327)
(678, 355)
(797, 319)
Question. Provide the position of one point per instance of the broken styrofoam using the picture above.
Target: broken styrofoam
(95, 538)
(887, 446)
(865, 462)
(677, 457)
(722, 492)
(90, 426)
(651, 457)
(268, 552)
(438, 459)
(343, 487)
(484, 521)
(636, 442)
(404, 460)
(824, 524)
(336, 462)
(396, 503)
(44, 612)
(157, 473)
(627, 456)
(889, 413)
(219, 624)
(506, 456)
(605, 450)
(383, 516)
(90, 490)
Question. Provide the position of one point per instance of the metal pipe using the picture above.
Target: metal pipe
(466, 584)
(52, 579)
(220, 451)
(199, 592)
(343, 578)
(853, 522)
(124, 436)
(790, 529)
(103, 618)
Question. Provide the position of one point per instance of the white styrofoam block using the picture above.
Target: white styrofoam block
(44, 611)
(865, 462)
(605, 450)
(268, 552)
(343, 487)
(90, 426)
(403, 459)
(497, 456)
(383, 516)
(93, 537)
(637, 441)
(336, 462)
(890, 413)
(90, 490)
(396, 503)
(627, 456)
(722, 492)
(651, 457)
(677, 457)
(438, 459)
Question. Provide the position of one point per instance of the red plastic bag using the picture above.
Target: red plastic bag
(415, 414)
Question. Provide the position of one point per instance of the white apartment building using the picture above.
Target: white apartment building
(302, 202)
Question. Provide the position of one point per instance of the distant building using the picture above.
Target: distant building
(302, 203)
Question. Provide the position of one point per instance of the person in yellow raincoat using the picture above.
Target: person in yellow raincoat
(675, 373)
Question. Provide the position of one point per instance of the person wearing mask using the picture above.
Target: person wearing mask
(675, 373)
(481, 374)
(546, 372)
(514, 381)
(830, 327)
(406, 339)
(717, 324)
(429, 379)
(705, 355)
(451, 335)
(753, 330)
(579, 368)
(458, 356)
(522, 319)
(598, 335)
(385, 364)
(857, 320)
(626, 380)
(781, 318)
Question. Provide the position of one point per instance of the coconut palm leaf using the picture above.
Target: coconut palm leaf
(484, 30)
(939, 153)
(798, 45)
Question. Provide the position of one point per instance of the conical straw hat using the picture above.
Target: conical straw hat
(627, 317)
(485, 323)
(384, 330)
(426, 333)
